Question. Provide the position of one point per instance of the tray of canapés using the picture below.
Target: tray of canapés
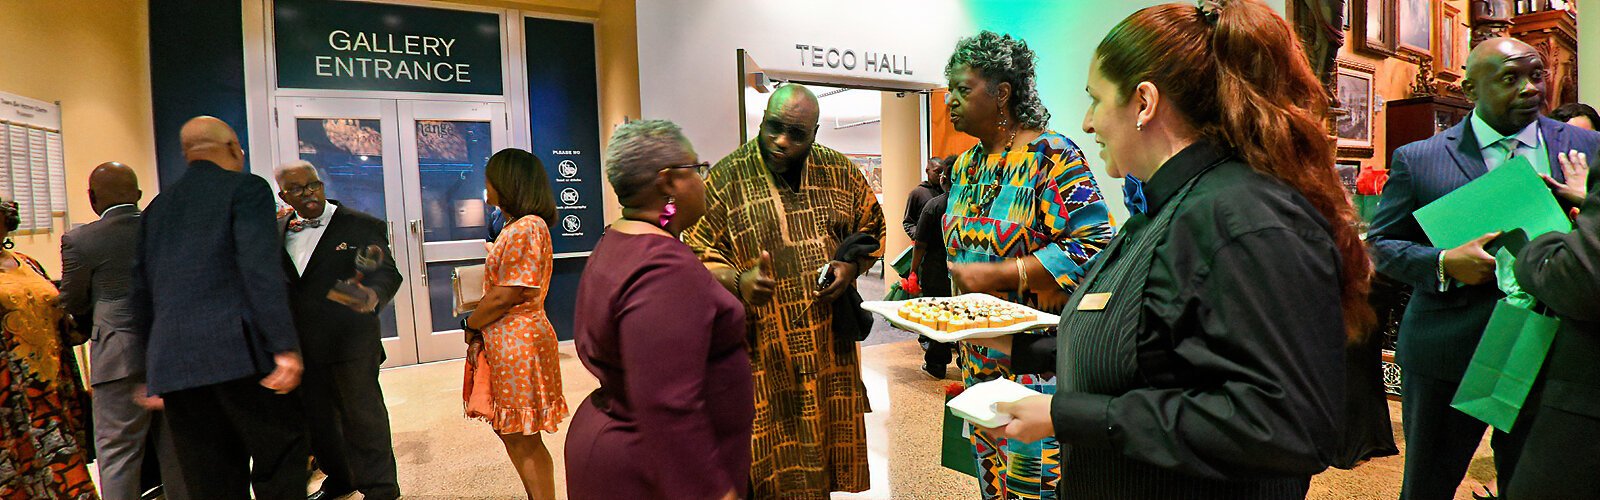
(974, 315)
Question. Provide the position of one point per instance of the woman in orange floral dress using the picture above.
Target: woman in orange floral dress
(509, 327)
(43, 445)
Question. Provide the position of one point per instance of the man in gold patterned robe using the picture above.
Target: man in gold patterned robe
(779, 208)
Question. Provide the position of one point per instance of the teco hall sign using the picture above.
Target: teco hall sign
(326, 44)
(817, 56)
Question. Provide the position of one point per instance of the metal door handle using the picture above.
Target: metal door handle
(416, 232)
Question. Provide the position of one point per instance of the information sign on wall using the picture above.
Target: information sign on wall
(564, 108)
(326, 44)
(32, 165)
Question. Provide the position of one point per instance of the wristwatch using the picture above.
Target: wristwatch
(1444, 281)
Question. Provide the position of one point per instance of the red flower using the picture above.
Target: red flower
(954, 389)
(1370, 181)
(910, 284)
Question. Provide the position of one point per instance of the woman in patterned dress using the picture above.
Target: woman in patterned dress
(1024, 216)
(510, 327)
(43, 445)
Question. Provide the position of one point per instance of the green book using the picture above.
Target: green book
(1509, 197)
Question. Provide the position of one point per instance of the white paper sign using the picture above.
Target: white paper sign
(32, 160)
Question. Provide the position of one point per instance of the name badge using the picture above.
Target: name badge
(1094, 302)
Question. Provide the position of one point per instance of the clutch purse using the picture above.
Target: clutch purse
(468, 284)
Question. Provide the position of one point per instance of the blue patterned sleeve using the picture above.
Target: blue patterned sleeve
(1072, 213)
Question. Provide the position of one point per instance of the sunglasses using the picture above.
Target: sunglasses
(700, 169)
(774, 128)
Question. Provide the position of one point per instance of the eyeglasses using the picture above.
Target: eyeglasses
(313, 186)
(700, 169)
(774, 128)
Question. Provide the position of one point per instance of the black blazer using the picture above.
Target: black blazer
(1440, 331)
(329, 331)
(96, 280)
(207, 291)
(1563, 272)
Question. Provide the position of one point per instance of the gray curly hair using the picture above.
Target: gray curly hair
(636, 154)
(1003, 59)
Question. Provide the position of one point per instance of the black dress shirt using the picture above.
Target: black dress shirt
(1229, 380)
(920, 196)
(934, 271)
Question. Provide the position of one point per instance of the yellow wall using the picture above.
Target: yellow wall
(93, 56)
(1588, 67)
(619, 76)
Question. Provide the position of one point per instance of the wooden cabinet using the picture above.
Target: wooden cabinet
(1418, 118)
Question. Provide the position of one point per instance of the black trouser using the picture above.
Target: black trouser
(1560, 462)
(1440, 441)
(236, 435)
(349, 427)
(936, 354)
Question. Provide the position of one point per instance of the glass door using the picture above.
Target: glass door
(444, 147)
(419, 166)
(354, 144)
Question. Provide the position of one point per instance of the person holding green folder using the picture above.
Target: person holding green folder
(1562, 414)
(1454, 289)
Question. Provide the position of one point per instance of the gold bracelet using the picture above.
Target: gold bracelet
(1022, 276)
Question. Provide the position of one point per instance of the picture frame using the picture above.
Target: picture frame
(1447, 48)
(1348, 171)
(1372, 27)
(1353, 120)
(1414, 26)
(871, 166)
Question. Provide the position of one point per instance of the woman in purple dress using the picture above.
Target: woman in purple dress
(672, 416)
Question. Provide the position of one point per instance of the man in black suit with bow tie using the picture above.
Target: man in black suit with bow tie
(336, 304)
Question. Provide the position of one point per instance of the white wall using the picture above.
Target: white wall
(687, 67)
(687, 49)
(838, 110)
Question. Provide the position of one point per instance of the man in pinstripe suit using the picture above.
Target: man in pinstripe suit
(1455, 290)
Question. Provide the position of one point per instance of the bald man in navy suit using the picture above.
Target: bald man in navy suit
(1454, 289)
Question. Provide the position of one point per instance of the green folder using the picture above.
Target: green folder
(1506, 198)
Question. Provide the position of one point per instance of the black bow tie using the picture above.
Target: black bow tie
(301, 224)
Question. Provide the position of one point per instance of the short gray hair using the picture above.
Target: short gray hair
(277, 173)
(1004, 59)
(638, 151)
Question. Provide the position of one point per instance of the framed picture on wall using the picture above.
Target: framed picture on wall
(1447, 58)
(1415, 26)
(1353, 118)
(1348, 171)
(871, 166)
(1372, 23)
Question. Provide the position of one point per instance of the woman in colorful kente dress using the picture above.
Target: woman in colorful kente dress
(1024, 218)
(43, 444)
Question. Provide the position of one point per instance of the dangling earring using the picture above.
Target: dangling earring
(1005, 121)
(8, 244)
(1138, 126)
(668, 211)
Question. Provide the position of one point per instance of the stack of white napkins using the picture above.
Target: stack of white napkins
(977, 403)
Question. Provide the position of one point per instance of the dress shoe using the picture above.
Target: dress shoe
(936, 372)
(325, 494)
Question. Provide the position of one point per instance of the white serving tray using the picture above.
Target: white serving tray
(890, 310)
